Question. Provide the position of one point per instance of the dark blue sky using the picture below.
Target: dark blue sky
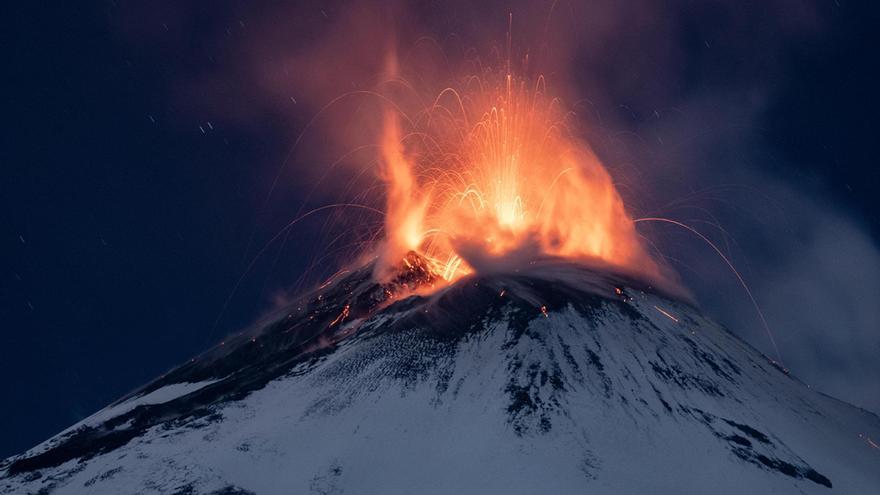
(125, 225)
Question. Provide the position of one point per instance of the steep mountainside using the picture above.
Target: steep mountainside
(522, 383)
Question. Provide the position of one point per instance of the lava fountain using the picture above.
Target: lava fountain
(490, 174)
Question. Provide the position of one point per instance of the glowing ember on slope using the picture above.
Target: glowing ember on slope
(868, 440)
(490, 176)
(666, 313)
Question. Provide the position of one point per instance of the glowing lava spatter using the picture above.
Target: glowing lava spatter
(490, 174)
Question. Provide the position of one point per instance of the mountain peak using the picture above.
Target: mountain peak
(555, 377)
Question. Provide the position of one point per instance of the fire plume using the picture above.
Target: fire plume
(491, 174)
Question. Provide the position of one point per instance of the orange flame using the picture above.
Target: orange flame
(405, 210)
(491, 174)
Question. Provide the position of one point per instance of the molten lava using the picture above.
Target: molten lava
(490, 175)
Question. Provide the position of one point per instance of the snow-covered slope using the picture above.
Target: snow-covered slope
(500, 384)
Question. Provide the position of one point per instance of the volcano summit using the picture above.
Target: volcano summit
(509, 383)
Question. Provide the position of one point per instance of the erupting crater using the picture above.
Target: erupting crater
(491, 175)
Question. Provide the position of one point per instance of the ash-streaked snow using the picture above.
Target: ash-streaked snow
(473, 390)
(158, 396)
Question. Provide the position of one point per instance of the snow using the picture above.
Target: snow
(158, 396)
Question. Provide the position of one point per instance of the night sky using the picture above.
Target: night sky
(140, 144)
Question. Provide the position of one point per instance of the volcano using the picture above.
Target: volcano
(555, 378)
